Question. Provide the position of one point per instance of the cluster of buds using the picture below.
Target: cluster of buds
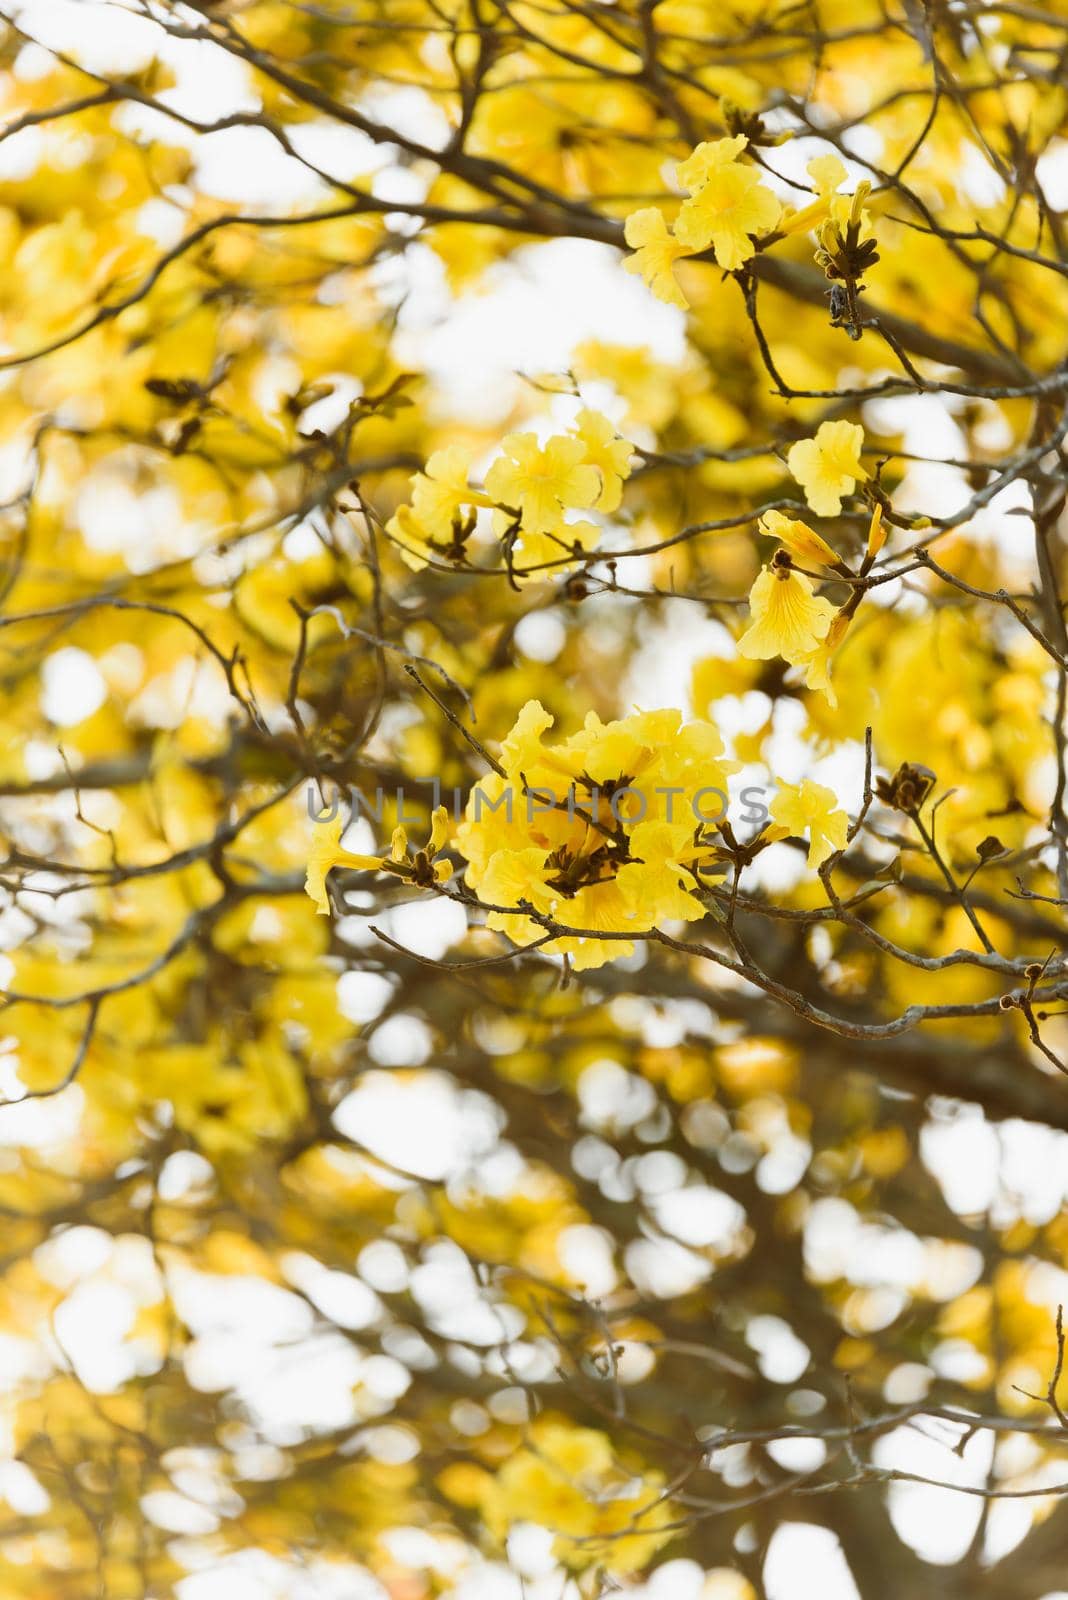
(907, 789)
(461, 529)
(424, 867)
(845, 255)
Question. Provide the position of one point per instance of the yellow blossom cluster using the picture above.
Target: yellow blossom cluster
(726, 207)
(787, 618)
(729, 210)
(600, 832)
(532, 486)
(522, 1221)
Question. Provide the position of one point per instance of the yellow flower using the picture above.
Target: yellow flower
(522, 752)
(326, 853)
(606, 451)
(512, 876)
(876, 532)
(847, 209)
(442, 488)
(415, 543)
(494, 825)
(421, 869)
(664, 878)
(439, 830)
(817, 663)
(441, 499)
(538, 876)
(655, 254)
(710, 156)
(543, 555)
(609, 905)
(729, 203)
(828, 466)
(604, 751)
(541, 482)
(788, 620)
(810, 808)
(803, 544)
(827, 173)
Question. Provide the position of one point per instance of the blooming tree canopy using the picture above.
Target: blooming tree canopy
(533, 799)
